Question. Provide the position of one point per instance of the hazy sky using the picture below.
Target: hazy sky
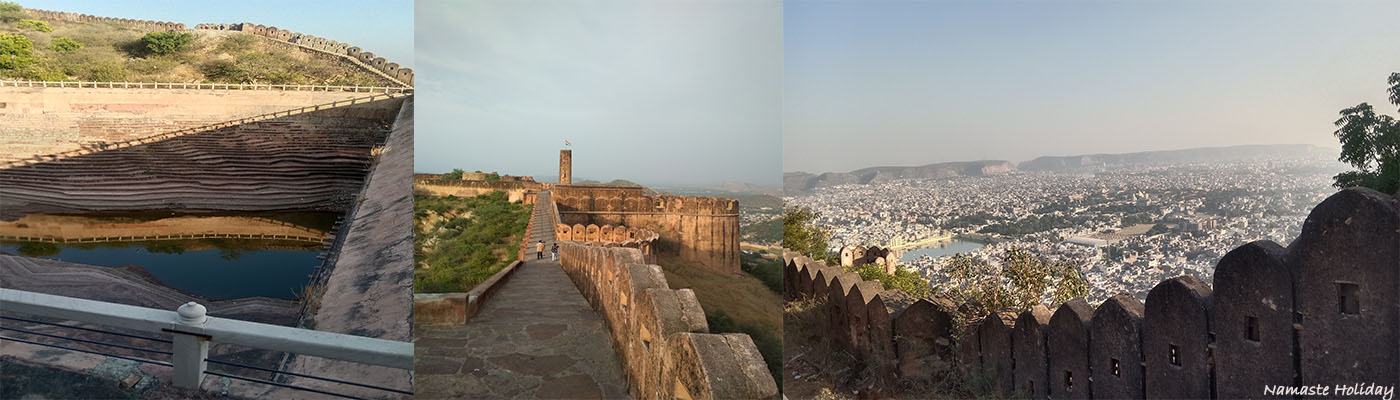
(658, 92)
(384, 27)
(897, 83)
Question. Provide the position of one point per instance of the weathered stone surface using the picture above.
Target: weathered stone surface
(1175, 339)
(881, 359)
(1347, 262)
(858, 317)
(1028, 349)
(839, 330)
(994, 338)
(1068, 343)
(1116, 351)
(1252, 318)
(923, 336)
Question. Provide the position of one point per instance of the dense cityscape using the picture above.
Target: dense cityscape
(1130, 227)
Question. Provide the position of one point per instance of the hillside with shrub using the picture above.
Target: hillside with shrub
(40, 50)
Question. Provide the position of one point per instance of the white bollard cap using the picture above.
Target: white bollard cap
(192, 314)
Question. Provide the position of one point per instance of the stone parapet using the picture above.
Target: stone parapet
(660, 334)
(1323, 311)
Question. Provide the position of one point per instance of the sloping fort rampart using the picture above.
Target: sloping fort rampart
(1323, 311)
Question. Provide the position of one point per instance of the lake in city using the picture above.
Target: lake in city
(218, 268)
(944, 248)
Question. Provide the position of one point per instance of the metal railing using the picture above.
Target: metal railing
(192, 331)
(210, 86)
(92, 148)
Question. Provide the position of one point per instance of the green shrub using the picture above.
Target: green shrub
(34, 24)
(455, 174)
(11, 12)
(167, 42)
(16, 51)
(65, 45)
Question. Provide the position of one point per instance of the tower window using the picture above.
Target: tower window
(1113, 362)
(1347, 298)
(1175, 355)
(1251, 328)
(1069, 381)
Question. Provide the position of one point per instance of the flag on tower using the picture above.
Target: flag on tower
(566, 142)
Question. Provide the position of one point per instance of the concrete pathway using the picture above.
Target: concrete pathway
(536, 338)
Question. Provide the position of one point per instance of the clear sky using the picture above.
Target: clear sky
(384, 27)
(657, 92)
(904, 83)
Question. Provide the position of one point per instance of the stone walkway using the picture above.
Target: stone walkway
(536, 338)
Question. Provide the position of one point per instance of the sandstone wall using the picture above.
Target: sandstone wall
(660, 334)
(515, 190)
(359, 56)
(1323, 311)
(703, 230)
(154, 26)
(38, 121)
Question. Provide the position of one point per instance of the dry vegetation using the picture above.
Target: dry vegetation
(737, 303)
(111, 52)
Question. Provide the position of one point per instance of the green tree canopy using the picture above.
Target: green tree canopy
(455, 174)
(16, 51)
(1017, 283)
(167, 42)
(1371, 144)
(801, 234)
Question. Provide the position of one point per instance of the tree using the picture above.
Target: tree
(455, 174)
(16, 51)
(1371, 143)
(1016, 284)
(802, 235)
(11, 12)
(167, 42)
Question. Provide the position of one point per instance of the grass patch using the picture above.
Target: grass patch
(766, 269)
(462, 241)
(734, 303)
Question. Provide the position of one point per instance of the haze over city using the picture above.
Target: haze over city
(673, 93)
(928, 82)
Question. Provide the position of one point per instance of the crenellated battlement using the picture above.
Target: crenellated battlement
(49, 15)
(366, 59)
(704, 230)
(1325, 309)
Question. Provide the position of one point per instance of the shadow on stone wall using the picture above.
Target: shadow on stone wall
(1323, 311)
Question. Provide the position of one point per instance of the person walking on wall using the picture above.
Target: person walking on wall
(539, 250)
(554, 252)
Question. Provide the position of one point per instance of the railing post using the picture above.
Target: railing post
(190, 349)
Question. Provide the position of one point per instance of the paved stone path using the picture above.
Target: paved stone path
(536, 338)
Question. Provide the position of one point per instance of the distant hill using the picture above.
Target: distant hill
(1202, 154)
(796, 183)
(614, 182)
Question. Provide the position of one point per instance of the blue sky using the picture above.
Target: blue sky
(384, 27)
(657, 92)
(905, 83)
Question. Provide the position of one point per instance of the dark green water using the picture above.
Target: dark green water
(215, 268)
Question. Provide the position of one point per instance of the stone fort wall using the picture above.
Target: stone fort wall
(522, 191)
(363, 58)
(1323, 311)
(703, 230)
(660, 334)
(47, 120)
(48, 15)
